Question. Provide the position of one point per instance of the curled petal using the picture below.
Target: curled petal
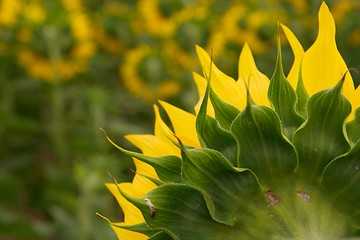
(183, 123)
(201, 83)
(257, 82)
(163, 132)
(132, 214)
(161, 129)
(298, 52)
(140, 184)
(223, 85)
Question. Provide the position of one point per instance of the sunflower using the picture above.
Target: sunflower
(258, 159)
(58, 45)
(241, 24)
(161, 17)
(113, 31)
(143, 74)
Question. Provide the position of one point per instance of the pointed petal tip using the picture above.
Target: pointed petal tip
(156, 108)
(324, 6)
(245, 56)
(324, 9)
(326, 20)
(199, 50)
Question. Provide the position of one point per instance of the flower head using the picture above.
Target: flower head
(259, 159)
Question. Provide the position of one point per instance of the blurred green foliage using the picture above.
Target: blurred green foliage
(69, 67)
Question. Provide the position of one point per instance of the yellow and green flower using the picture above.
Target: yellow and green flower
(259, 159)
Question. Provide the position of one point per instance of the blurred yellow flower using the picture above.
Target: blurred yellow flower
(56, 59)
(162, 17)
(141, 63)
(34, 12)
(43, 69)
(240, 25)
(9, 10)
(105, 35)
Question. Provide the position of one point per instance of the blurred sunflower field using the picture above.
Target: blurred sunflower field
(69, 67)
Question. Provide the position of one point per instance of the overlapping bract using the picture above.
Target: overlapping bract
(252, 145)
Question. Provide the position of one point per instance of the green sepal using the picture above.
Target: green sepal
(181, 212)
(341, 182)
(262, 147)
(224, 112)
(230, 193)
(168, 168)
(283, 98)
(160, 236)
(353, 127)
(321, 138)
(157, 182)
(140, 228)
(302, 97)
(212, 135)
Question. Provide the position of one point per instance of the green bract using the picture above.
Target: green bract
(261, 173)
(289, 171)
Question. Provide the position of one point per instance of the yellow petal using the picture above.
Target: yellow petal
(223, 85)
(145, 169)
(201, 83)
(123, 234)
(257, 82)
(298, 52)
(163, 132)
(132, 215)
(322, 65)
(141, 184)
(151, 145)
(183, 123)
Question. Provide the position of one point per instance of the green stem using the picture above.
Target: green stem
(98, 115)
(7, 99)
(57, 129)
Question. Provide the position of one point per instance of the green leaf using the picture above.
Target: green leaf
(224, 112)
(321, 138)
(341, 182)
(302, 97)
(168, 168)
(230, 193)
(161, 236)
(262, 147)
(283, 99)
(181, 212)
(353, 127)
(212, 135)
